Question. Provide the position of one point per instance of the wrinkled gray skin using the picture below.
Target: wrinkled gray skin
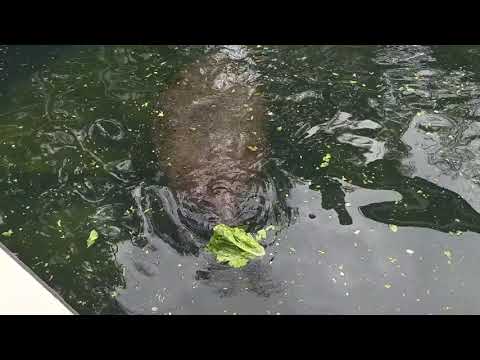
(211, 115)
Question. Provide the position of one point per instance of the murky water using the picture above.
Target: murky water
(371, 176)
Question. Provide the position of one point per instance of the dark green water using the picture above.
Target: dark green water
(401, 124)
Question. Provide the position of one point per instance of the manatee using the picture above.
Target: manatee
(210, 140)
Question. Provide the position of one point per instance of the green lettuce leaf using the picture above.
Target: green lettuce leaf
(234, 245)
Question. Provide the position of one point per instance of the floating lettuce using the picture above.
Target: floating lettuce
(234, 245)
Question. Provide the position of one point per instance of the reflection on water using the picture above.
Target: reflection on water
(152, 145)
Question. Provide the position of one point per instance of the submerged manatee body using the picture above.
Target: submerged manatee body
(210, 141)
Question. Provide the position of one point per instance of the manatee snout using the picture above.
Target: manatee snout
(201, 211)
(229, 205)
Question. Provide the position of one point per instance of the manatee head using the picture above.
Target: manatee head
(231, 200)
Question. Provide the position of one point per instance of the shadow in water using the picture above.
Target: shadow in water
(255, 277)
(425, 204)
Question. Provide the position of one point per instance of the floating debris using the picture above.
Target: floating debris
(8, 233)
(261, 234)
(326, 160)
(448, 254)
(393, 227)
(92, 238)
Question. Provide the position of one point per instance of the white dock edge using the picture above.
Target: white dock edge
(24, 293)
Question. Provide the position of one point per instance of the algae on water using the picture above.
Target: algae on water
(234, 245)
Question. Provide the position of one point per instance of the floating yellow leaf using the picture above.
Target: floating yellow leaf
(92, 238)
(7, 233)
(393, 227)
(326, 160)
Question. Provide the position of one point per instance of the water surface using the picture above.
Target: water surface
(388, 225)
